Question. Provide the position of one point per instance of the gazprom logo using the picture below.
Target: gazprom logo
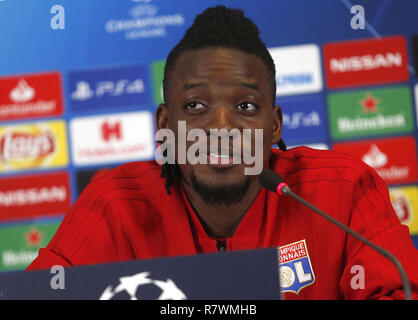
(298, 69)
(294, 79)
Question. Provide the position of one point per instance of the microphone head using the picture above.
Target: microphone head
(270, 180)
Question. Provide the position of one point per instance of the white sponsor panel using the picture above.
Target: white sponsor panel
(298, 69)
(112, 138)
(318, 146)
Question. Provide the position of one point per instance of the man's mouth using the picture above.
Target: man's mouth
(224, 158)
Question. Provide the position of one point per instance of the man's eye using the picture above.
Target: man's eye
(247, 106)
(194, 106)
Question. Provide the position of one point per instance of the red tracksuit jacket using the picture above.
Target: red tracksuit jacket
(127, 214)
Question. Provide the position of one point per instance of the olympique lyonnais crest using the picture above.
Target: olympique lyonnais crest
(295, 268)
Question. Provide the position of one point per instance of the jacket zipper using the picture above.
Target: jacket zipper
(221, 245)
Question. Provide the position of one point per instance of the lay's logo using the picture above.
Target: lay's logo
(21, 145)
(32, 146)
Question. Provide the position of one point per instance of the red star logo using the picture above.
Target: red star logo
(369, 103)
(34, 237)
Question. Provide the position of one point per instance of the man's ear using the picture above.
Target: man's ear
(162, 116)
(277, 125)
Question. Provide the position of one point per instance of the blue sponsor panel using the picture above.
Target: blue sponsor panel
(105, 88)
(304, 120)
(415, 241)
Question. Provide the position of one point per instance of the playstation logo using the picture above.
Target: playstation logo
(82, 92)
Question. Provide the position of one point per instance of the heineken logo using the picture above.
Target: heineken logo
(34, 237)
(347, 125)
(369, 103)
(157, 76)
(20, 243)
(18, 259)
(372, 112)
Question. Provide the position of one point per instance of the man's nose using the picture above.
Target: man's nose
(221, 117)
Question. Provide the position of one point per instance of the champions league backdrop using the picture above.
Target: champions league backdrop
(80, 81)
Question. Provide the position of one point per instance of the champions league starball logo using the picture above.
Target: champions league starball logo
(144, 21)
(140, 287)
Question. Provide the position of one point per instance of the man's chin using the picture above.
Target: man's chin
(220, 191)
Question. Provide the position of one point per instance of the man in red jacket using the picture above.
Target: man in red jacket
(221, 76)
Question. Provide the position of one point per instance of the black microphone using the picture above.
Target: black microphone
(273, 182)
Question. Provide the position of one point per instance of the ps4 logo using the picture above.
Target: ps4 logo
(297, 119)
(84, 90)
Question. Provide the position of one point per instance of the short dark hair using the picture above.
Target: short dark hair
(218, 27)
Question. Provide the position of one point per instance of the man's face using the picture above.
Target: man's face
(220, 88)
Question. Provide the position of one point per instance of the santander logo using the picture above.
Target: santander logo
(31, 96)
(375, 158)
(393, 159)
(22, 92)
(24, 146)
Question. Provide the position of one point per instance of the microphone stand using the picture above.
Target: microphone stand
(284, 189)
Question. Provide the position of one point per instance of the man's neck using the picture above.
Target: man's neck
(220, 220)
